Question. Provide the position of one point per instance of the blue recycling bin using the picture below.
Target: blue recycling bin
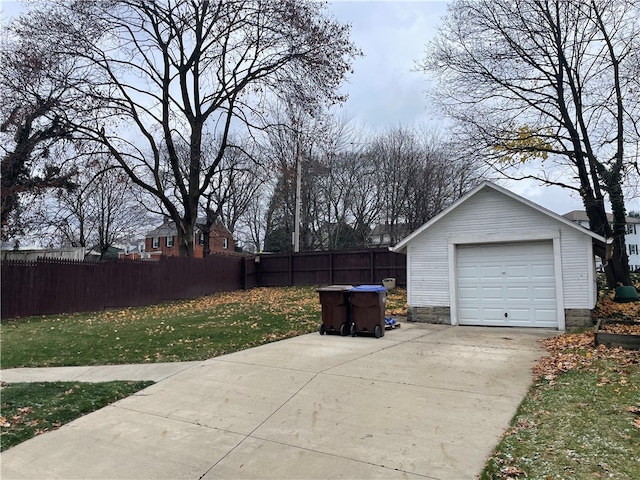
(367, 309)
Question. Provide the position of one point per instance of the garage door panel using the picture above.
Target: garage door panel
(467, 272)
(518, 293)
(490, 293)
(543, 271)
(548, 316)
(490, 272)
(544, 293)
(516, 272)
(469, 291)
(516, 279)
(490, 313)
(518, 315)
(468, 313)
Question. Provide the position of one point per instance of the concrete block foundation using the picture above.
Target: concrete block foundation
(440, 315)
(577, 317)
(574, 317)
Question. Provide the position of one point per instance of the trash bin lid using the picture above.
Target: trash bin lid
(368, 288)
(335, 288)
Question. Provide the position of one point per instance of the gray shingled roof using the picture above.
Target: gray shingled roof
(168, 228)
(165, 230)
(581, 216)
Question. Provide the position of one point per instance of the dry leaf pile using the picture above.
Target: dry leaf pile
(572, 351)
(621, 328)
(607, 309)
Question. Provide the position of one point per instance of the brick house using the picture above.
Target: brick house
(163, 241)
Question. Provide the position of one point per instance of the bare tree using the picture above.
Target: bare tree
(251, 226)
(399, 179)
(36, 101)
(234, 186)
(394, 153)
(551, 82)
(338, 187)
(418, 173)
(117, 215)
(293, 139)
(172, 71)
(439, 175)
(100, 212)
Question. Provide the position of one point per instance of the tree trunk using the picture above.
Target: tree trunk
(617, 269)
(211, 220)
(185, 238)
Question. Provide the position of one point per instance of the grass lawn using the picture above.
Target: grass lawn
(581, 417)
(29, 409)
(188, 330)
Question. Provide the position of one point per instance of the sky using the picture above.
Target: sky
(385, 89)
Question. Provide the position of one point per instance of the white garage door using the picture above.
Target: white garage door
(509, 284)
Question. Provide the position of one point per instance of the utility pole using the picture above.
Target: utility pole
(296, 230)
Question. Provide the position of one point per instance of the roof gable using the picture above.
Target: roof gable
(490, 185)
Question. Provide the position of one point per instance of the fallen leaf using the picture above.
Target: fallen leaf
(509, 470)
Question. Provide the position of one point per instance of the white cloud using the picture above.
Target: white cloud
(385, 89)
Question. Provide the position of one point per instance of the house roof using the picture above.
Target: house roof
(602, 246)
(168, 228)
(164, 230)
(382, 229)
(581, 216)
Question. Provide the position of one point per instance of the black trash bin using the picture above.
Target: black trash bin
(367, 309)
(335, 309)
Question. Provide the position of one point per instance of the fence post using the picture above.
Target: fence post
(330, 267)
(291, 269)
(243, 273)
(372, 267)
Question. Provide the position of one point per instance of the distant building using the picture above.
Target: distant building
(388, 235)
(632, 237)
(163, 241)
(132, 251)
(32, 254)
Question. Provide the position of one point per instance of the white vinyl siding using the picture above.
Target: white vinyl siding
(486, 217)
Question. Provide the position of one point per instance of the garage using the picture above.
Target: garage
(494, 258)
(510, 284)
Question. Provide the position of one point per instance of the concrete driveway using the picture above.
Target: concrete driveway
(424, 401)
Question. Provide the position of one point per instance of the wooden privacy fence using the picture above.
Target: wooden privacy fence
(50, 286)
(323, 268)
